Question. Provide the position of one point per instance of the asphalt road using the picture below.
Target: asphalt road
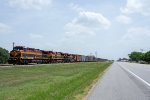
(123, 81)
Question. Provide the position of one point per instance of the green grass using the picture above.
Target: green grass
(49, 82)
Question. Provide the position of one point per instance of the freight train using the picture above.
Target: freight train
(25, 55)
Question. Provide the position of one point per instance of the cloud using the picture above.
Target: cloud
(124, 19)
(87, 23)
(76, 7)
(4, 28)
(137, 6)
(133, 40)
(30, 4)
(137, 34)
(83, 28)
(92, 19)
(77, 29)
(35, 36)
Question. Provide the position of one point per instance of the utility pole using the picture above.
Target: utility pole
(96, 55)
(13, 45)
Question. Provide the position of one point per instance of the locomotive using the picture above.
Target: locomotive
(25, 55)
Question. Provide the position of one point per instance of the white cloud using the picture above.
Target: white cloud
(77, 29)
(76, 7)
(137, 6)
(30, 4)
(124, 19)
(4, 28)
(87, 23)
(134, 39)
(92, 19)
(137, 34)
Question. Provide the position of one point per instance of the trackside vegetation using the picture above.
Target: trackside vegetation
(49, 82)
(4, 55)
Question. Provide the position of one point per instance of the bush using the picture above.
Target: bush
(4, 55)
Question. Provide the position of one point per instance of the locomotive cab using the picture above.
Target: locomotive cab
(18, 48)
(15, 55)
(16, 52)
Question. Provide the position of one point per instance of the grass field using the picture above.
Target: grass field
(49, 82)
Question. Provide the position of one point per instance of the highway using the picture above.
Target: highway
(123, 81)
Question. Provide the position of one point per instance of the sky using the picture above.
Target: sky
(109, 28)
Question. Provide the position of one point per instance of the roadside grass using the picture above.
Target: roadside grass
(49, 82)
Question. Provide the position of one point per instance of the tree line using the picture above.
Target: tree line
(140, 56)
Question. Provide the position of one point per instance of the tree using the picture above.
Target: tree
(147, 57)
(136, 56)
(4, 55)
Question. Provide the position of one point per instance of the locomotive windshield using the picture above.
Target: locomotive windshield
(18, 48)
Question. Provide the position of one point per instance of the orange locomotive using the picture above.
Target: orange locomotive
(22, 55)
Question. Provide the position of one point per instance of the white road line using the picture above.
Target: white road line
(136, 76)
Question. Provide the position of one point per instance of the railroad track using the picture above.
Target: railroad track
(11, 65)
(28, 65)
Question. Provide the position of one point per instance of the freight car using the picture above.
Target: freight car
(23, 55)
